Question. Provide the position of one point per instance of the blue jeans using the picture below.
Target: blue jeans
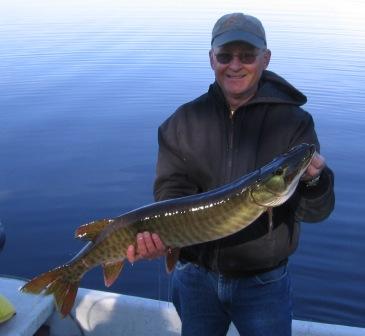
(208, 302)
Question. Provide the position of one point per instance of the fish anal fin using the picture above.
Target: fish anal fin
(91, 230)
(111, 271)
(172, 257)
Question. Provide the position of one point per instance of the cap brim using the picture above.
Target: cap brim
(238, 35)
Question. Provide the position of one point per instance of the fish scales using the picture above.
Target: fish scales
(179, 222)
(195, 225)
(191, 226)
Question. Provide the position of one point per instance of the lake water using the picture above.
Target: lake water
(83, 89)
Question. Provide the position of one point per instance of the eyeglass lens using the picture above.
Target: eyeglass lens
(245, 58)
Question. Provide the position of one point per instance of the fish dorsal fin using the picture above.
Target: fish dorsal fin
(91, 230)
(111, 271)
(172, 257)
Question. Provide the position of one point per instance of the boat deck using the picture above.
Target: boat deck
(102, 313)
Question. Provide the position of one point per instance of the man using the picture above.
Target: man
(248, 117)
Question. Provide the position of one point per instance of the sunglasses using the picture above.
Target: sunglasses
(245, 58)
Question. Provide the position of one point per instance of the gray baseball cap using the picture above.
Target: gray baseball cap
(238, 27)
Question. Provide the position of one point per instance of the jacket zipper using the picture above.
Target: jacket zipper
(230, 168)
(230, 148)
(228, 176)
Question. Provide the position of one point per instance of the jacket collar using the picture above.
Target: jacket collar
(272, 89)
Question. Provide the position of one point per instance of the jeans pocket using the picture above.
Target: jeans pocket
(272, 276)
(181, 265)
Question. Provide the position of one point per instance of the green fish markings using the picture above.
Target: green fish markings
(179, 222)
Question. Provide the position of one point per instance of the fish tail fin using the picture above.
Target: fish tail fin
(41, 282)
(56, 282)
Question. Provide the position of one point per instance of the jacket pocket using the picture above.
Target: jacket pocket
(272, 276)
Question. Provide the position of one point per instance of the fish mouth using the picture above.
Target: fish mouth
(290, 168)
(295, 170)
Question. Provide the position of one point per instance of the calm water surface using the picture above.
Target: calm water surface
(83, 90)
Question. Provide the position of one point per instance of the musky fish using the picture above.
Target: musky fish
(179, 222)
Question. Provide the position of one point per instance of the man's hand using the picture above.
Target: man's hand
(315, 167)
(148, 246)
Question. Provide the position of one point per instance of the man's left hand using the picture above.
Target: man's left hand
(315, 167)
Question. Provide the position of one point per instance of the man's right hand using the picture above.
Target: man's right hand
(148, 246)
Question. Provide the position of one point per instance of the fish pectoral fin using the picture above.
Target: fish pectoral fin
(172, 257)
(111, 271)
(91, 230)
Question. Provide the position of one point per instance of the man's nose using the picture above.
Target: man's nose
(236, 62)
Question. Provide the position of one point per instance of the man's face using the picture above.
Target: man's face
(235, 76)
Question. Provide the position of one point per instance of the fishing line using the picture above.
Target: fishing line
(159, 280)
(77, 323)
(169, 286)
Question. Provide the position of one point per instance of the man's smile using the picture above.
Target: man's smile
(235, 76)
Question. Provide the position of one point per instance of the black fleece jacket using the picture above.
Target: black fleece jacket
(201, 147)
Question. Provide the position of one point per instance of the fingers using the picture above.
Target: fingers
(148, 246)
(315, 167)
(160, 246)
(131, 254)
(318, 161)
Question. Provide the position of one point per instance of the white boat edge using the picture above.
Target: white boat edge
(98, 313)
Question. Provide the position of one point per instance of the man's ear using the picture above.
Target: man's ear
(211, 59)
(267, 57)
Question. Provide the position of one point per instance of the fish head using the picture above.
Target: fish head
(279, 179)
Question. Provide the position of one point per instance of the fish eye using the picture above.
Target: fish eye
(279, 171)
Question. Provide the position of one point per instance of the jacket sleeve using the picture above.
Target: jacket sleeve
(315, 203)
(172, 173)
